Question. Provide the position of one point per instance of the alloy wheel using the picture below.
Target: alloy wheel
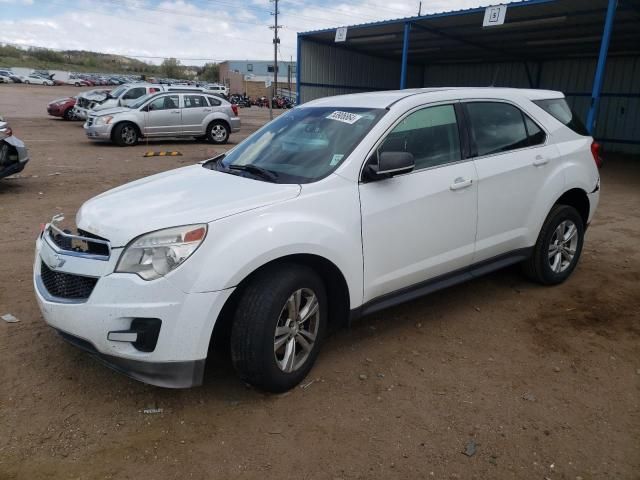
(218, 133)
(129, 135)
(563, 245)
(296, 330)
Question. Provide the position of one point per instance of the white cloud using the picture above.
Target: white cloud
(193, 32)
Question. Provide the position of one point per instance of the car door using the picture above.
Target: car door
(162, 116)
(420, 225)
(194, 111)
(513, 160)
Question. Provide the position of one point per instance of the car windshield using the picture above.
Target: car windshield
(304, 144)
(117, 92)
(138, 103)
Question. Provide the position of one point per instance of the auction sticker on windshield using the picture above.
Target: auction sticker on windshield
(345, 117)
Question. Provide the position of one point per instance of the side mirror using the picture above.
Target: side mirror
(390, 164)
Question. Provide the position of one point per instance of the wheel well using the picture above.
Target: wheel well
(576, 198)
(334, 281)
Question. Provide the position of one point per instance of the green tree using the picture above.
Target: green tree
(171, 68)
(210, 72)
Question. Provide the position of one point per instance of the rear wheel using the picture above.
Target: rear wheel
(218, 132)
(279, 326)
(558, 248)
(125, 134)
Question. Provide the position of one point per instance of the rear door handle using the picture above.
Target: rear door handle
(540, 161)
(175, 111)
(460, 183)
(207, 110)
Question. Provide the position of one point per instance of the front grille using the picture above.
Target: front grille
(66, 285)
(90, 121)
(75, 245)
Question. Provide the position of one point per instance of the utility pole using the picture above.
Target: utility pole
(276, 42)
(420, 9)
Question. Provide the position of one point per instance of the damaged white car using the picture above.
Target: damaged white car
(122, 96)
(87, 101)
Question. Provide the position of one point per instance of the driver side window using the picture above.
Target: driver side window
(134, 93)
(430, 135)
(167, 102)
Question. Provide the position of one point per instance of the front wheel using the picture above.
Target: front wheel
(557, 251)
(68, 114)
(125, 134)
(279, 326)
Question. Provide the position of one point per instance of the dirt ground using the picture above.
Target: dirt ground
(545, 381)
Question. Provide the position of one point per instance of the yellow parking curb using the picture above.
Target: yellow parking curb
(162, 154)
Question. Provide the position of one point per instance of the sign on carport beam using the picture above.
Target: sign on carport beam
(494, 16)
(341, 34)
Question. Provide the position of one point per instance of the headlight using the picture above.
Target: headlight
(155, 254)
(106, 120)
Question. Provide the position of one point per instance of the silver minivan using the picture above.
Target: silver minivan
(185, 113)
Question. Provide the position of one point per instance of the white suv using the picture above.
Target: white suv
(338, 208)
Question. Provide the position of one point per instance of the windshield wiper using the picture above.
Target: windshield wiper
(255, 170)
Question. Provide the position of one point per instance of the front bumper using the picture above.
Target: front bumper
(80, 112)
(161, 374)
(98, 132)
(176, 361)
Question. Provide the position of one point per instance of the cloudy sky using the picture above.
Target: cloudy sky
(194, 31)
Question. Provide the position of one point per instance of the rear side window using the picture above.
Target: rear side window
(536, 134)
(559, 109)
(430, 134)
(214, 102)
(497, 127)
(194, 101)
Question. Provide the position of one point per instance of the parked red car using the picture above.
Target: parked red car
(63, 107)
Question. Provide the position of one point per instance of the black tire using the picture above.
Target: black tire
(259, 311)
(77, 84)
(68, 114)
(538, 267)
(125, 134)
(218, 132)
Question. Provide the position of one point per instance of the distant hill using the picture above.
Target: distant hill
(74, 61)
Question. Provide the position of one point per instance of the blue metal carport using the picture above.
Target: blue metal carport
(589, 49)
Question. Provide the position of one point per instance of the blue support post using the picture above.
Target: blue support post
(298, 55)
(600, 68)
(405, 56)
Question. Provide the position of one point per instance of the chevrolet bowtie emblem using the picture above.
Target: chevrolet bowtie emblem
(58, 261)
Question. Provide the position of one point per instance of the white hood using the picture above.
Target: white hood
(183, 196)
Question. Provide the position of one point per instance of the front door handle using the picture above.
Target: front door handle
(540, 161)
(460, 183)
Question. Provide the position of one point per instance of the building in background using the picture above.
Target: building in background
(249, 76)
(588, 49)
